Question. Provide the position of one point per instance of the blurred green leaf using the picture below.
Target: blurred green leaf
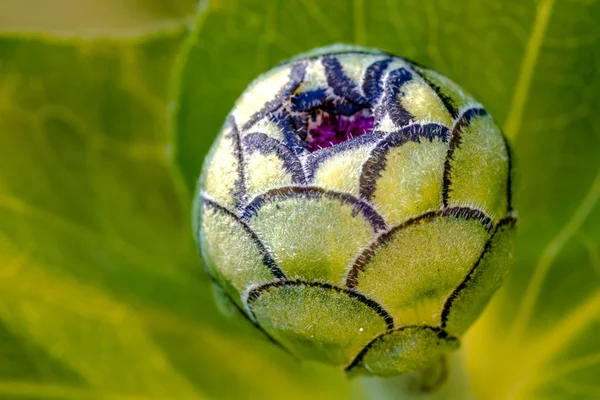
(535, 66)
(101, 291)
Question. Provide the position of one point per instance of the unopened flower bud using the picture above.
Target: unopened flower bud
(357, 207)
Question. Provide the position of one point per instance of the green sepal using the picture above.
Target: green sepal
(317, 321)
(403, 350)
(469, 300)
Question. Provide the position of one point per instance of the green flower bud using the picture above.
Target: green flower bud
(357, 208)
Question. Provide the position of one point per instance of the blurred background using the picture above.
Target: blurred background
(89, 17)
(107, 109)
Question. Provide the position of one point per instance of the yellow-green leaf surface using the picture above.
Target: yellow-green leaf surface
(102, 294)
(535, 67)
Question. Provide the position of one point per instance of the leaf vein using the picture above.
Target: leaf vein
(528, 65)
(548, 256)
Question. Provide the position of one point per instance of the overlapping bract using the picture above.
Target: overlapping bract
(377, 253)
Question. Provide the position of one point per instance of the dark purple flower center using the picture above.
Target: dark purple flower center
(327, 129)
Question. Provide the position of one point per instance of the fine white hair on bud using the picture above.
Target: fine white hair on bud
(356, 207)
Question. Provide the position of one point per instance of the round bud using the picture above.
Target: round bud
(357, 208)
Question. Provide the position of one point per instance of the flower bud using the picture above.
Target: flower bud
(357, 208)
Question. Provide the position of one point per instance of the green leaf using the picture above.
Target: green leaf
(547, 317)
(102, 294)
(535, 67)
